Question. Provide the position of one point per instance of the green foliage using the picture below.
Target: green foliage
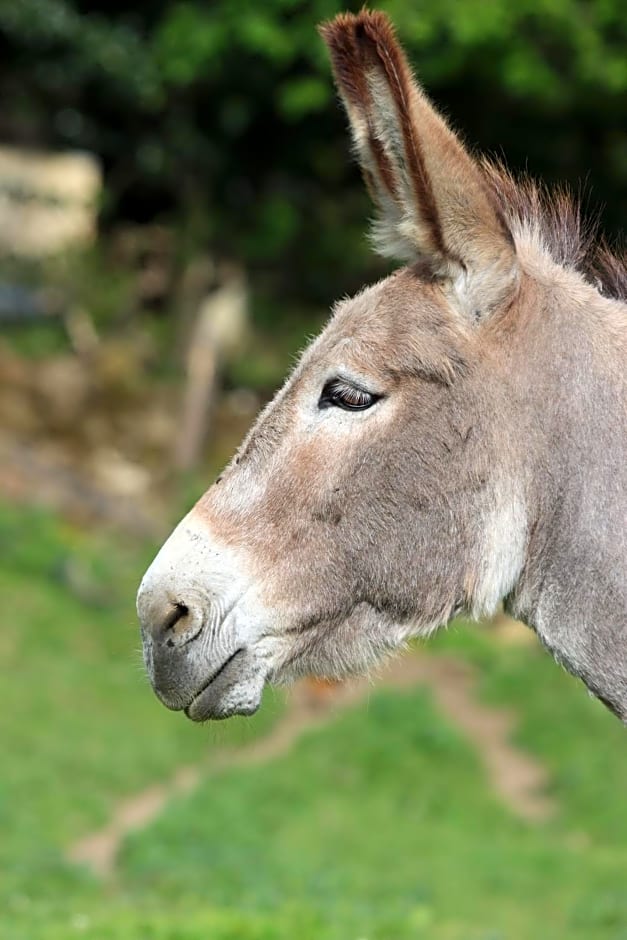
(222, 117)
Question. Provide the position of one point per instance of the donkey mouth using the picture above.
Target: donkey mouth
(229, 691)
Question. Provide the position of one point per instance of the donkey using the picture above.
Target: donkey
(454, 438)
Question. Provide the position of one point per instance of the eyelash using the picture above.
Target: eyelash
(341, 394)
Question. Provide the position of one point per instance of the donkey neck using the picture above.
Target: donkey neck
(572, 588)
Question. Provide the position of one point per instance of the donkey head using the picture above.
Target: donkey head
(382, 490)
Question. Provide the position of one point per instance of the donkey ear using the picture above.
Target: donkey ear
(434, 203)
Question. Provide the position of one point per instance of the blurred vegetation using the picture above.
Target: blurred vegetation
(220, 117)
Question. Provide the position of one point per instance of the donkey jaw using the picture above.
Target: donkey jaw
(211, 643)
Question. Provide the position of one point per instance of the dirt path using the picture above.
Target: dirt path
(516, 777)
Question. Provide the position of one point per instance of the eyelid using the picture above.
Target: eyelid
(352, 382)
(341, 384)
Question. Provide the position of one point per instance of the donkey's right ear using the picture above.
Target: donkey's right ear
(434, 203)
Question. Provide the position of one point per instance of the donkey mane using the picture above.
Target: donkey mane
(552, 217)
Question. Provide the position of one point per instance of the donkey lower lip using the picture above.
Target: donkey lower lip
(206, 704)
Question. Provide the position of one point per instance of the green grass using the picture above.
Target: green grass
(573, 734)
(382, 825)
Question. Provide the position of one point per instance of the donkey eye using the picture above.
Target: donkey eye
(344, 395)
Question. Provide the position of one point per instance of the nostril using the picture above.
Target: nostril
(178, 612)
(180, 625)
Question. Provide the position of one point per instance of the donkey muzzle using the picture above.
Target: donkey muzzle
(196, 656)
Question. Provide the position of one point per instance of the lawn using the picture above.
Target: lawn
(381, 826)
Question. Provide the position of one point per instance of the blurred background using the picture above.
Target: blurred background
(178, 210)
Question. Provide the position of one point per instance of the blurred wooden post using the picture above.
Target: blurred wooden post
(219, 330)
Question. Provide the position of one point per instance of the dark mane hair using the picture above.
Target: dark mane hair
(554, 217)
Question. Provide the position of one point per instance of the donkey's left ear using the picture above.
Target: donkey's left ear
(434, 202)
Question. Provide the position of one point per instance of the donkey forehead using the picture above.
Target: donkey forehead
(400, 324)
